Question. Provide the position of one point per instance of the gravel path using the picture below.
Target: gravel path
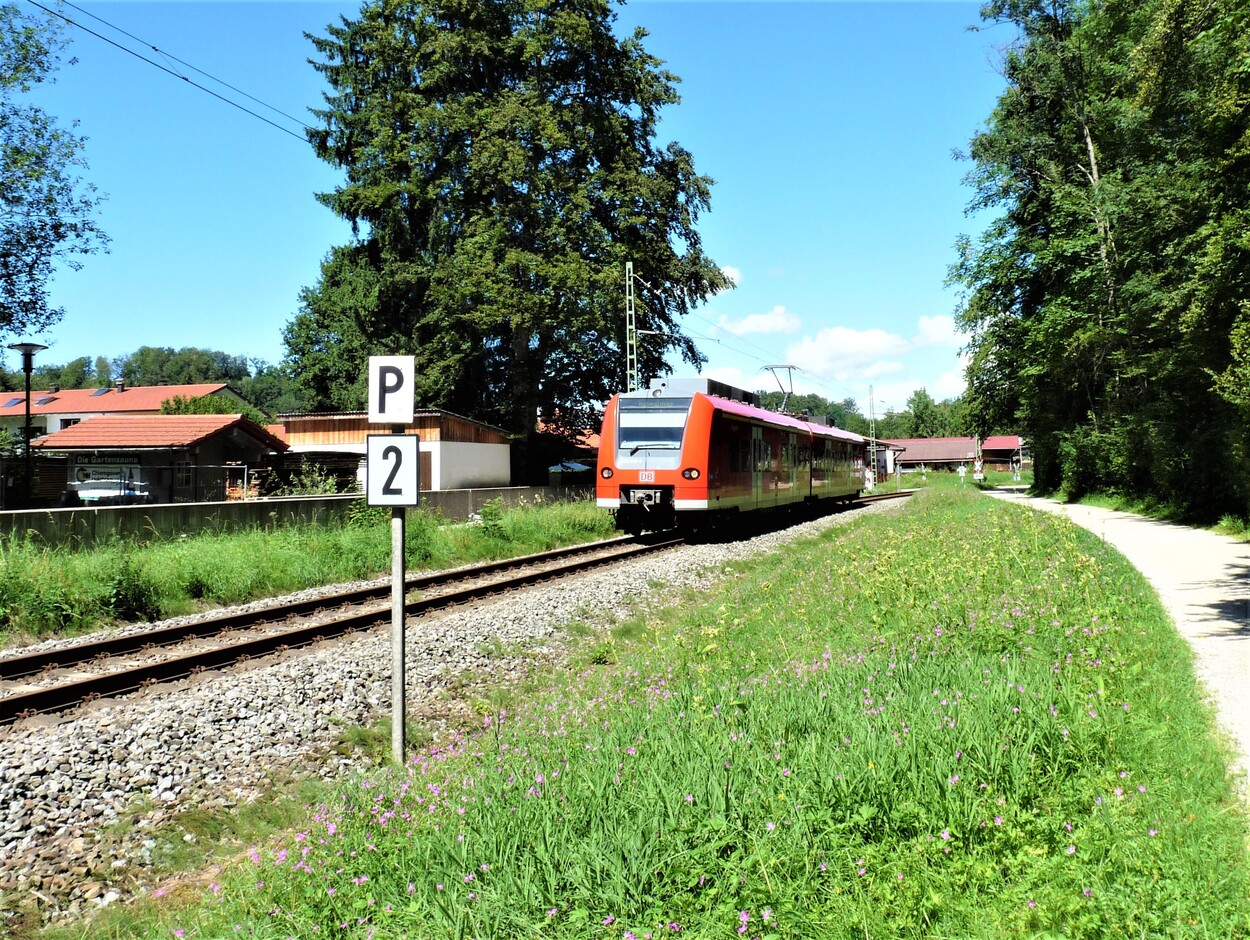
(81, 797)
(1203, 580)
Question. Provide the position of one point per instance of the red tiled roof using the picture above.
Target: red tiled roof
(135, 432)
(588, 439)
(1003, 442)
(100, 401)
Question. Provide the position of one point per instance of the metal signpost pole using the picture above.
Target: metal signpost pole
(392, 478)
(28, 351)
(399, 703)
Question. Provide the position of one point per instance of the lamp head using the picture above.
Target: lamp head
(28, 351)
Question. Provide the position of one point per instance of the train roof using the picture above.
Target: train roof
(684, 387)
(735, 401)
(773, 417)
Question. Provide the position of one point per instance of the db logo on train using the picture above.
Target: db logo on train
(646, 476)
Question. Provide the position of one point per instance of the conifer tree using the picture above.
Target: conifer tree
(501, 167)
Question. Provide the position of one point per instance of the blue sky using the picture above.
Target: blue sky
(829, 128)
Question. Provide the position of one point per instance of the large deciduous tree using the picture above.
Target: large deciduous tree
(1109, 302)
(501, 168)
(46, 209)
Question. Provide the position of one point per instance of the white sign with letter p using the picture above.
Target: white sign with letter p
(392, 382)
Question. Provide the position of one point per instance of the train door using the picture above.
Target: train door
(759, 463)
(790, 464)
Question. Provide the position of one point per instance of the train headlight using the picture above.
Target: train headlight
(690, 473)
(606, 473)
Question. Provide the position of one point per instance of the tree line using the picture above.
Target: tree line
(271, 389)
(1109, 300)
(923, 417)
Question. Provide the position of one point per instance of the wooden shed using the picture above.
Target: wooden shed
(455, 452)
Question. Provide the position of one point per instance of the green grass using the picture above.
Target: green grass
(1237, 527)
(960, 720)
(49, 591)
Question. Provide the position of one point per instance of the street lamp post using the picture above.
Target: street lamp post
(28, 351)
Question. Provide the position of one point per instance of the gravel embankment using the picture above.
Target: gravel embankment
(219, 739)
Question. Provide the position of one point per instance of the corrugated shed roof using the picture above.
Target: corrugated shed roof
(287, 416)
(107, 400)
(137, 432)
(921, 449)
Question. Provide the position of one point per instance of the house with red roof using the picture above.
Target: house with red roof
(133, 458)
(58, 408)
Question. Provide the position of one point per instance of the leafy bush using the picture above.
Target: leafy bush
(492, 519)
(311, 479)
(130, 595)
(360, 515)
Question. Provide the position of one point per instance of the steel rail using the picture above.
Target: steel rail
(28, 664)
(71, 694)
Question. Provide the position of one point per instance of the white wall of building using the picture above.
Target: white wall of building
(457, 466)
(453, 466)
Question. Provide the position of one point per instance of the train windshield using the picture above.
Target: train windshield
(650, 424)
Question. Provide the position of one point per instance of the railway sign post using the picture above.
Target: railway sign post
(392, 478)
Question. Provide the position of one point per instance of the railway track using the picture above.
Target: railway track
(54, 680)
(48, 681)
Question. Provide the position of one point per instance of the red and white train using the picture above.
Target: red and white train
(689, 452)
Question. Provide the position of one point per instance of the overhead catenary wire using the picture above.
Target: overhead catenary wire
(173, 58)
(833, 388)
(174, 72)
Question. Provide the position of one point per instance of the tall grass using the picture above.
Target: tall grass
(964, 720)
(53, 591)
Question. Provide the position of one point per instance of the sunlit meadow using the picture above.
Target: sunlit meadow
(957, 720)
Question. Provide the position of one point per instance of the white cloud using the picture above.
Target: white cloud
(847, 355)
(777, 320)
(938, 331)
(840, 361)
(953, 383)
(730, 375)
(734, 275)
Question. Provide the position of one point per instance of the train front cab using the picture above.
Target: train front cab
(643, 474)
